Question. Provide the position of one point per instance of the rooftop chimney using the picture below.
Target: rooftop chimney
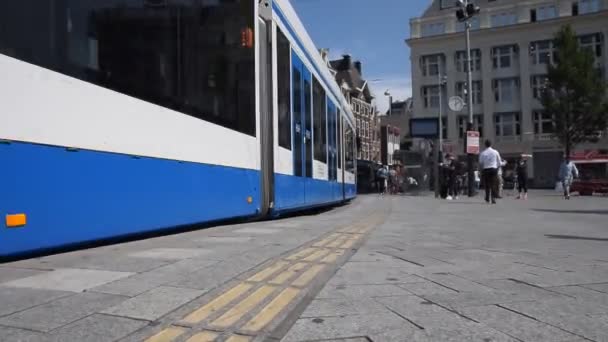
(346, 62)
(358, 67)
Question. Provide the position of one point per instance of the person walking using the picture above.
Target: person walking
(381, 177)
(522, 178)
(567, 173)
(450, 177)
(489, 162)
(501, 179)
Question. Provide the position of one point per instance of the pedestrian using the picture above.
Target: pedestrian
(450, 177)
(522, 178)
(501, 179)
(489, 162)
(567, 173)
(381, 176)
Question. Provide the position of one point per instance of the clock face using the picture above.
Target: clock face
(456, 103)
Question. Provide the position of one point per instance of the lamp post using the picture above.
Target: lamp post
(441, 81)
(390, 102)
(464, 14)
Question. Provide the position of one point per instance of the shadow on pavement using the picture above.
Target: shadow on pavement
(573, 237)
(557, 211)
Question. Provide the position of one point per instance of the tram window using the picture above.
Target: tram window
(350, 150)
(284, 85)
(320, 121)
(186, 56)
(339, 139)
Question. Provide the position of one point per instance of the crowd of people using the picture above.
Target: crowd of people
(491, 166)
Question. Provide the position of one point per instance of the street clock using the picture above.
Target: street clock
(456, 103)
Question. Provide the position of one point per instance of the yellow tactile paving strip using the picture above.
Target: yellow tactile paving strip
(242, 312)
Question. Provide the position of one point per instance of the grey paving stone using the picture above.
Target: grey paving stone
(457, 283)
(96, 328)
(555, 309)
(170, 253)
(584, 295)
(67, 279)
(9, 334)
(154, 304)
(597, 287)
(355, 275)
(226, 239)
(107, 261)
(62, 311)
(426, 288)
(361, 291)
(416, 309)
(9, 273)
(208, 279)
(518, 326)
(17, 299)
(341, 307)
(142, 282)
(256, 231)
(312, 329)
(594, 328)
(458, 329)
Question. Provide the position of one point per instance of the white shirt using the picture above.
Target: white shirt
(490, 159)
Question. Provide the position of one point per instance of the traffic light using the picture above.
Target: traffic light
(472, 10)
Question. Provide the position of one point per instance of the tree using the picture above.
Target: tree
(575, 94)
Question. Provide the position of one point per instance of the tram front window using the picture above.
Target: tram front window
(191, 56)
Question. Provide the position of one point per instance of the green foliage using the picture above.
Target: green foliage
(575, 95)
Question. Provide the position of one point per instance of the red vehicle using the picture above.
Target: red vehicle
(593, 173)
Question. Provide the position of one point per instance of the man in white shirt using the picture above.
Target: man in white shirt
(489, 162)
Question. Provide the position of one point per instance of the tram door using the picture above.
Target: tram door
(302, 124)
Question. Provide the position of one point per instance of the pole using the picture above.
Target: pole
(471, 175)
(390, 105)
(439, 148)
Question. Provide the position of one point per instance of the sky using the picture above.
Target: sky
(372, 31)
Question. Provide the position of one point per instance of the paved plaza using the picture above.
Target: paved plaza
(392, 268)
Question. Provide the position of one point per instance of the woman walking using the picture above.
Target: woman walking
(522, 178)
(567, 173)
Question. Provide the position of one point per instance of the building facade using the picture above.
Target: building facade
(390, 137)
(511, 45)
(357, 91)
(399, 116)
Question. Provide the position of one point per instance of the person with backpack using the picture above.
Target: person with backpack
(382, 176)
(522, 178)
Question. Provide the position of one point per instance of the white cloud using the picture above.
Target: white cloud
(400, 89)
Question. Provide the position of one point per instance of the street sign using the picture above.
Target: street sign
(456, 103)
(472, 142)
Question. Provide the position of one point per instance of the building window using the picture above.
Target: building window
(504, 56)
(431, 65)
(430, 95)
(544, 12)
(543, 123)
(503, 19)
(433, 29)
(463, 121)
(593, 42)
(461, 60)
(447, 4)
(506, 90)
(461, 90)
(507, 124)
(475, 24)
(284, 88)
(588, 6)
(543, 52)
(538, 83)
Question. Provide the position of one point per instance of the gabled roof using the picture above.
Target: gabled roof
(350, 73)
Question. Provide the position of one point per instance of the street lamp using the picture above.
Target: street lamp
(467, 10)
(442, 79)
(390, 102)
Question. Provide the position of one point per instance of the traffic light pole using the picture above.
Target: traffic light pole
(470, 157)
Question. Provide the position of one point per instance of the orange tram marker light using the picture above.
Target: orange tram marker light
(16, 220)
(247, 38)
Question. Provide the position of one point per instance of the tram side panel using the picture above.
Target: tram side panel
(117, 140)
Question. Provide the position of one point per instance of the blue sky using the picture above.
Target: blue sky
(373, 31)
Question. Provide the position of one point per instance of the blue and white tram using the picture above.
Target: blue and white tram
(122, 117)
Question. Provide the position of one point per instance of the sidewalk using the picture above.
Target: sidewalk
(464, 271)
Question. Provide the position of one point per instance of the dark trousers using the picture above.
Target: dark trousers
(490, 182)
(522, 182)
